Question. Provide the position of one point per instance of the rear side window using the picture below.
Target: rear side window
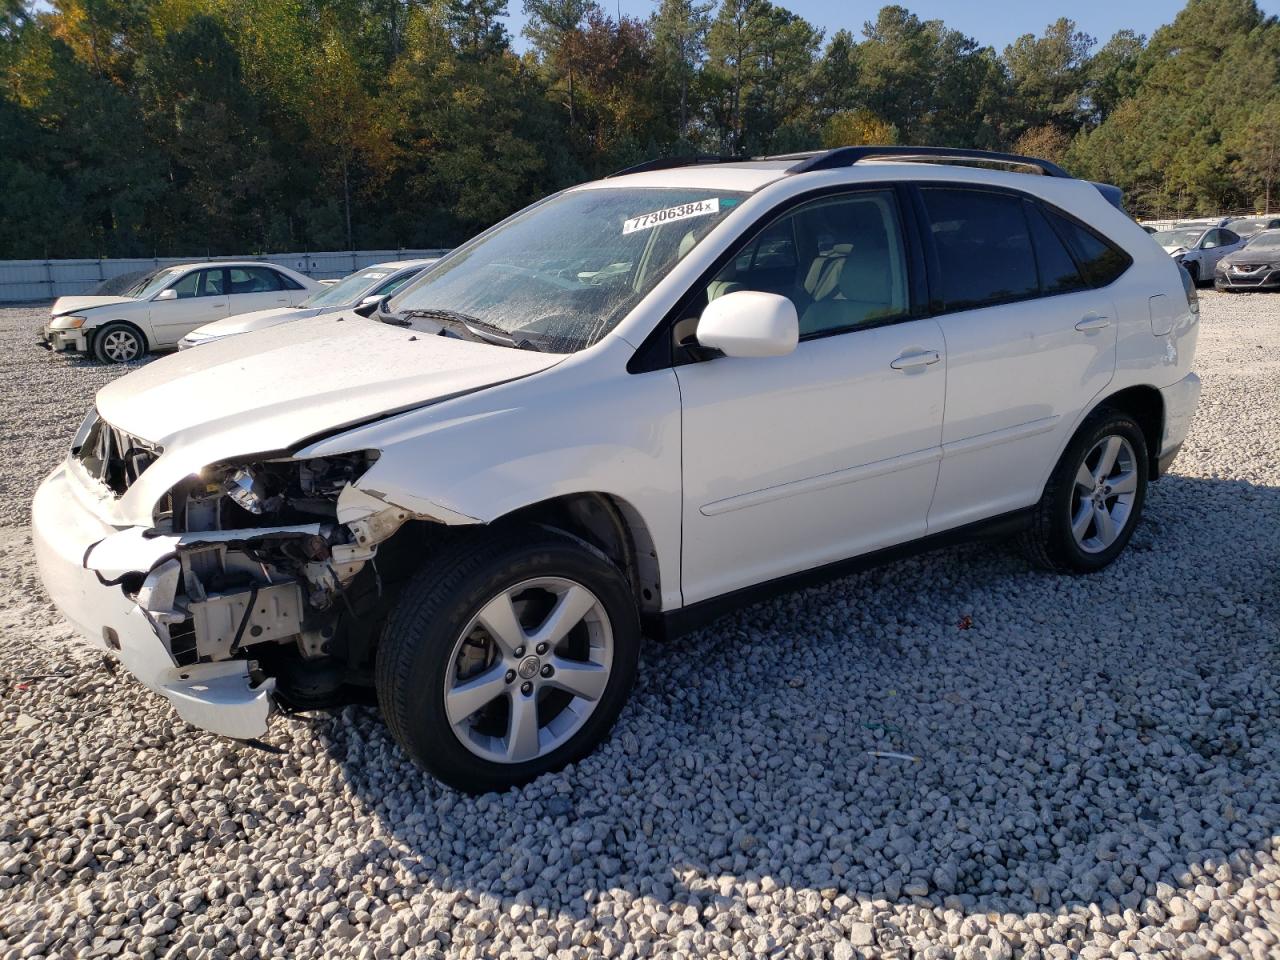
(1058, 273)
(1101, 261)
(286, 282)
(983, 245)
(254, 280)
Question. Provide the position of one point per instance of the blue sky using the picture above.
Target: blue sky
(993, 22)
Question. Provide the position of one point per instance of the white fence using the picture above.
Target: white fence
(25, 280)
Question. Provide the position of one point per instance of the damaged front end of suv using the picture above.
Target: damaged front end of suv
(256, 583)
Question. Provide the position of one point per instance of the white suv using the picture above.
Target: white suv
(627, 408)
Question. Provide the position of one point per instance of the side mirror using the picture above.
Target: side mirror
(750, 323)
(166, 294)
(369, 306)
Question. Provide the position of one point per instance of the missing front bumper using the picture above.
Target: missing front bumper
(222, 697)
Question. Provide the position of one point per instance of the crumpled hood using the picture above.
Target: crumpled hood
(257, 320)
(72, 304)
(267, 390)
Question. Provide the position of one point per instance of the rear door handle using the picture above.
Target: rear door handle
(1092, 322)
(910, 361)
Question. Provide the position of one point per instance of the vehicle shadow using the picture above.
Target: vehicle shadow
(1077, 742)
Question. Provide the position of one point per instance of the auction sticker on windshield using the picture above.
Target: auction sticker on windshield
(698, 208)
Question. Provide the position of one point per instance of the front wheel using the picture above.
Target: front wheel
(118, 343)
(1094, 498)
(508, 656)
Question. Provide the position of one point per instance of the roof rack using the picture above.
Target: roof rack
(811, 160)
(848, 156)
(668, 163)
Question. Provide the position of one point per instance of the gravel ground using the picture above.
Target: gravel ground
(1098, 772)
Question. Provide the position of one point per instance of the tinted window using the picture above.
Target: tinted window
(1227, 237)
(254, 280)
(286, 282)
(1058, 273)
(839, 260)
(983, 245)
(188, 286)
(1100, 261)
(392, 285)
(213, 282)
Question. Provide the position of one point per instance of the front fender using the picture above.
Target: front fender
(585, 426)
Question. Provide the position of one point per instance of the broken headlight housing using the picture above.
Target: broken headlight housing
(257, 493)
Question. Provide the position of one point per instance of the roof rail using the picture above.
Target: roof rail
(668, 163)
(848, 156)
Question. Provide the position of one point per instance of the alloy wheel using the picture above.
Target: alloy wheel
(1106, 485)
(528, 670)
(120, 346)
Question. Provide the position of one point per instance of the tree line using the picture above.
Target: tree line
(143, 127)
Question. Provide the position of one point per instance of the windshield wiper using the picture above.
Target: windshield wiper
(478, 329)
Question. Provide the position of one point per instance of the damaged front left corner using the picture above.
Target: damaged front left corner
(244, 580)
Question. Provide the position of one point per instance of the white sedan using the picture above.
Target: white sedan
(359, 291)
(161, 308)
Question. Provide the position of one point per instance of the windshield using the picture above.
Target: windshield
(348, 289)
(562, 274)
(153, 282)
(1179, 238)
(1265, 241)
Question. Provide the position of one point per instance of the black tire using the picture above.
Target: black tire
(1193, 270)
(118, 343)
(414, 656)
(1049, 542)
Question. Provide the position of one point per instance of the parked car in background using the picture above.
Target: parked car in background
(167, 304)
(1198, 248)
(1256, 266)
(359, 291)
(1250, 226)
(644, 400)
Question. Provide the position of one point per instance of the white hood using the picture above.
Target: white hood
(72, 304)
(257, 320)
(264, 392)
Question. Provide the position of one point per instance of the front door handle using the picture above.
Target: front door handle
(911, 361)
(1092, 322)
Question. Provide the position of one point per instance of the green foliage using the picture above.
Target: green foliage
(220, 126)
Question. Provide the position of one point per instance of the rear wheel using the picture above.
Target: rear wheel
(509, 656)
(118, 343)
(1094, 498)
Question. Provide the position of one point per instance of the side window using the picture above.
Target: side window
(254, 280)
(1058, 273)
(840, 260)
(188, 286)
(1211, 239)
(983, 245)
(213, 282)
(286, 282)
(392, 285)
(1100, 261)
(1228, 237)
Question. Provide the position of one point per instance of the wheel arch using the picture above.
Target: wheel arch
(610, 524)
(1145, 404)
